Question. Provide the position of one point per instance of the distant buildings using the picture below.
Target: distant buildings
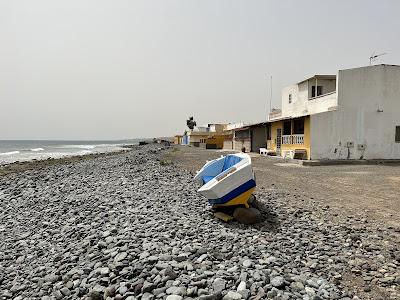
(209, 137)
(352, 115)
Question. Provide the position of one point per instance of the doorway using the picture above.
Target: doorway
(278, 141)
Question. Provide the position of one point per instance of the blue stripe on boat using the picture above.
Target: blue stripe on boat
(233, 194)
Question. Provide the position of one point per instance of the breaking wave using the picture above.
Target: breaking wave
(87, 147)
(37, 149)
(9, 153)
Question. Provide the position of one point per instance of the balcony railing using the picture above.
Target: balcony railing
(298, 139)
(294, 139)
(286, 139)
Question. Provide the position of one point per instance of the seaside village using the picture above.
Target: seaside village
(351, 115)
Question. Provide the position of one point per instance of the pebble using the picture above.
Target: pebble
(127, 226)
(247, 263)
(232, 296)
(174, 297)
(278, 281)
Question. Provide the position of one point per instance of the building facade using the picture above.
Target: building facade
(210, 136)
(352, 115)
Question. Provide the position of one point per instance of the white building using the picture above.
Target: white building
(352, 115)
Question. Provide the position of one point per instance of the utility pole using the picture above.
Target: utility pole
(270, 97)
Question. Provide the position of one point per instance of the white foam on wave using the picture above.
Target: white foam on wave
(37, 149)
(84, 152)
(9, 153)
(78, 146)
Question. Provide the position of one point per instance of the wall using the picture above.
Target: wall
(177, 140)
(301, 105)
(196, 139)
(215, 142)
(219, 128)
(361, 93)
(242, 138)
(307, 137)
(328, 85)
(228, 140)
(185, 140)
(274, 127)
(258, 138)
(239, 144)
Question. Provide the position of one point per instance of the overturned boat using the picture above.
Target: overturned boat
(227, 181)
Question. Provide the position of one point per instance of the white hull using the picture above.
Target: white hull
(227, 184)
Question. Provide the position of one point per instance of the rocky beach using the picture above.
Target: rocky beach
(131, 226)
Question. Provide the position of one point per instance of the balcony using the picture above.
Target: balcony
(293, 139)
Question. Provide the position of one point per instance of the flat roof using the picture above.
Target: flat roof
(371, 66)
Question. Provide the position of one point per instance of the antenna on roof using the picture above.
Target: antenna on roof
(374, 56)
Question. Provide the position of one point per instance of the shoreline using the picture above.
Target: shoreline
(21, 166)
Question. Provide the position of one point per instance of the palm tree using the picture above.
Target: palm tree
(191, 123)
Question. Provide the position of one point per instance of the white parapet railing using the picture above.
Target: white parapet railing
(286, 139)
(298, 139)
(294, 139)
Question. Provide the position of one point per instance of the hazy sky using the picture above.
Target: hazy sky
(79, 69)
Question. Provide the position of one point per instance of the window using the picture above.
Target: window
(290, 98)
(319, 91)
(298, 126)
(242, 134)
(397, 136)
(287, 128)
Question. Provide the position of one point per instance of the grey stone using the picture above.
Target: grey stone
(174, 297)
(278, 281)
(148, 287)
(219, 285)
(247, 263)
(232, 296)
(120, 256)
(247, 215)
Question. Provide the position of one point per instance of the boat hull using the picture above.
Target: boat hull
(241, 199)
(231, 187)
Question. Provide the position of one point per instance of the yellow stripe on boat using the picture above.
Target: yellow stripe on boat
(239, 200)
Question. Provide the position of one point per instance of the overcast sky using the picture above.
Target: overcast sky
(97, 69)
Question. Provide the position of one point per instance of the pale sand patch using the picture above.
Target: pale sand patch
(289, 165)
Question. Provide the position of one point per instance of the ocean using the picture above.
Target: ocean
(12, 151)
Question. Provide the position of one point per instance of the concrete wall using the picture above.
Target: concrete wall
(302, 105)
(242, 138)
(239, 144)
(258, 138)
(328, 85)
(219, 128)
(198, 140)
(228, 144)
(362, 93)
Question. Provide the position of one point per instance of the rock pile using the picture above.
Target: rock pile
(128, 227)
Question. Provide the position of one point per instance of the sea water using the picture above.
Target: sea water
(12, 151)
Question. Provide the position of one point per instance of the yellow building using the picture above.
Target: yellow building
(210, 136)
(178, 139)
(215, 142)
(290, 137)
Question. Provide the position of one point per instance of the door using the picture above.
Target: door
(278, 141)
